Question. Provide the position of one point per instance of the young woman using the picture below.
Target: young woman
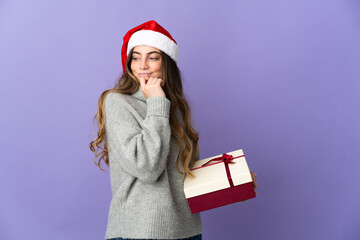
(146, 138)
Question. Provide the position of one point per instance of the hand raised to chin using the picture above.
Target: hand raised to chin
(152, 87)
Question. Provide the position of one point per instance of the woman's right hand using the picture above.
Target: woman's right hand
(152, 87)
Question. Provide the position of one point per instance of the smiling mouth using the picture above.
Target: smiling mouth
(144, 74)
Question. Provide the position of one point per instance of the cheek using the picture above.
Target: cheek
(159, 72)
(158, 67)
(132, 66)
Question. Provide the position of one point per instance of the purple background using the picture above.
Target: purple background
(279, 79)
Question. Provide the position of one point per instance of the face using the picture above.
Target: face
(146, 62)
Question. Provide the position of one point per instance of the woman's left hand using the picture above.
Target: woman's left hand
(253, 176)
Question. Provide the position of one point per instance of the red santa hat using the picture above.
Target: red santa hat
(151, 34)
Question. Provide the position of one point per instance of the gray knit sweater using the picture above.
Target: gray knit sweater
(148, 197)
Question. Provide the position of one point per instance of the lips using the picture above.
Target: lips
(144, 74)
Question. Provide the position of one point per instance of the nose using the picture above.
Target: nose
(144, 64)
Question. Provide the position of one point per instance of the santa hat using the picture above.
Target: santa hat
(151, 34)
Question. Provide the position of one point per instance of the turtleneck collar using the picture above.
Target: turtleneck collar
(139, 94)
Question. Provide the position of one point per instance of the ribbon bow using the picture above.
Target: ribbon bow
(224, 158)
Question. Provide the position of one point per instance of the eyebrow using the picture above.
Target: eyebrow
(147, 53)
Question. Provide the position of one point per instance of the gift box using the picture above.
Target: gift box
(219, 180)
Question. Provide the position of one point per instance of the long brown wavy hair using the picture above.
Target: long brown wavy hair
(173, 89)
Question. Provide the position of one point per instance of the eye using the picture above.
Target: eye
(154, 58)
(135, 59)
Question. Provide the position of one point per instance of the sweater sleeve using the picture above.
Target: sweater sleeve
(143, 146)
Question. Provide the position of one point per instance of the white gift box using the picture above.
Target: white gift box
(218, 183)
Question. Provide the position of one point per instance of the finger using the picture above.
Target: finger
(146, 79)
(142, 82)
(160, 82)
(254, 182)
(253, 175)
(152, 80)
(156, 80)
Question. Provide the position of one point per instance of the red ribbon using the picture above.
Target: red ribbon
(226, 159)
